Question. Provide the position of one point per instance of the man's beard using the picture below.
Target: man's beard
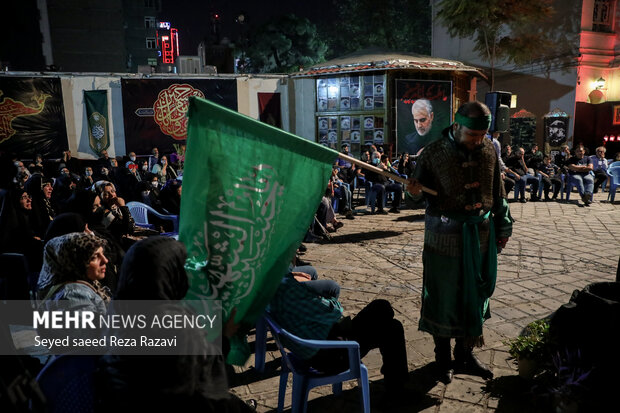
(424, 132)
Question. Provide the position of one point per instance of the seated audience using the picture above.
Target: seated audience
(154, 270)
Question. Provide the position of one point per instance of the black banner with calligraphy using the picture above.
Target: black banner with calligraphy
(32, 117)
(423, 110)
(154, 110)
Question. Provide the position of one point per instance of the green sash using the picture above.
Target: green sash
(478, 285)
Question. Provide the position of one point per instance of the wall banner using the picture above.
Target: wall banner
(154, 110)
(32, 117)
(423, 110)
(96, 102)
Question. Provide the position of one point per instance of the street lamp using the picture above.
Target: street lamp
(600, 83)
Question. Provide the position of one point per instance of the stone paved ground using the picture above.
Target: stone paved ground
(556, 247)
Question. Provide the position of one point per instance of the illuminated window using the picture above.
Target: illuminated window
(151, 43)
(602, 16)
(152, 61)
(149, 22)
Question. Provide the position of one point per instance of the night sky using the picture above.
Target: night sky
(192, 17)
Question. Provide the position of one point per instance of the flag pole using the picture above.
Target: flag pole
(390, 175)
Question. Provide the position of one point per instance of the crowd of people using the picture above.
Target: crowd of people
(71, 222)
(521, 168)
(35, 192)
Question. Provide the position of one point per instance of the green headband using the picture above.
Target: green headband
(479, 123)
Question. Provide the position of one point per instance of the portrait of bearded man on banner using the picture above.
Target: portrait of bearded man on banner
(423, 111)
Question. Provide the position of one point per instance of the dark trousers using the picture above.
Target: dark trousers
(380, 189)
(552, 182)
(599, 178)
(509, 184)
(373, 327)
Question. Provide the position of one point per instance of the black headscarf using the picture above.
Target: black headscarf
(170, 198)
(153, 269)
(65, 224)
(42, 211)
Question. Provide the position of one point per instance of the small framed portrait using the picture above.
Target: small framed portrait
(379, 89)
(369, 122)
(616, 115)
(378, 138)
(355, 136)
(368, 103)
(322, 104)
(345, 122)
(345, 103)
(323, 124)
(332, 136)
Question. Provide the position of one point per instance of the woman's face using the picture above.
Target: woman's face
(95, 270)
(25, 201)
(47, 191)
(108, 194)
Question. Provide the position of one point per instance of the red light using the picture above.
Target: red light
(605, 138)
(217, 16)
(164, 37)
(612, 138)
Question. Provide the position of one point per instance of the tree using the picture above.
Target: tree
(502, 30)
(398, 25)
(285, 44)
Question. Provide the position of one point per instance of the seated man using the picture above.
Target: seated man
(516, 166)
(599, 166)
(550, 177)
(343, 193)
(304, 311)
(381, 184)
(579, 168)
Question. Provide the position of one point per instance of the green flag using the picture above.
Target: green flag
(96, 102)
(250, 192)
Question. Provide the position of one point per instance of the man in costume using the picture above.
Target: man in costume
(467, 224)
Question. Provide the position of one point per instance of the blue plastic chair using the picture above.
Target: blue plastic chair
(614, 182)
(68, 384)
(260, 345)
(140, 211)
(306, 378)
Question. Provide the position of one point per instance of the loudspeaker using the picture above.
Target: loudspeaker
(499, 104)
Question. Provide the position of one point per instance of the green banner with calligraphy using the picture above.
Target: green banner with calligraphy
(96, 102)
(250, 192)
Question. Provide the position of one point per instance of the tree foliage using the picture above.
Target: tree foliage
(398, 25)
(502, 30)
(285, 44)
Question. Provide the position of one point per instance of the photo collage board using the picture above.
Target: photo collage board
(351, 110)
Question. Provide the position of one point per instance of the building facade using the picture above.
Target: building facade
(582, 68)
